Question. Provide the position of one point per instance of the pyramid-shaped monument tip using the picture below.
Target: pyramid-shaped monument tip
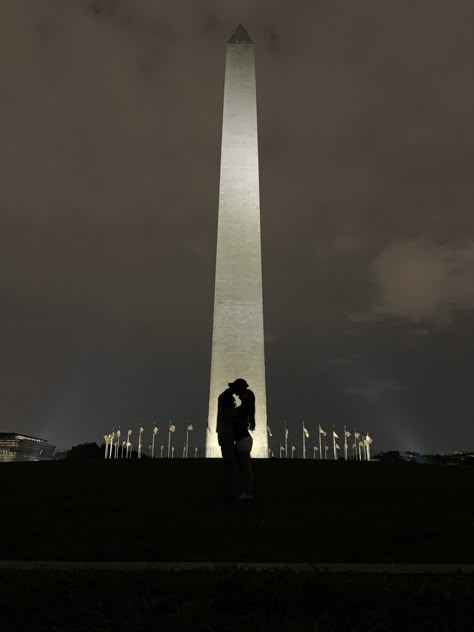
(240, 36)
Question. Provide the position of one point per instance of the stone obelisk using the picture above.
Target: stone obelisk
(237, 337)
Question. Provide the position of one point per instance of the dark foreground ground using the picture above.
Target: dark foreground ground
(231, 601)
(167, 510)
(305, 511)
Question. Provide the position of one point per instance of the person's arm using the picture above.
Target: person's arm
(251, 410)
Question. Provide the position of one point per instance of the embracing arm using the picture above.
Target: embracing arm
(251, 409)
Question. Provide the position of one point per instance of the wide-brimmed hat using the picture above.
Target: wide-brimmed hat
(239, 382)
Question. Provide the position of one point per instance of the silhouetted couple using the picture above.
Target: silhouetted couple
(234, 421)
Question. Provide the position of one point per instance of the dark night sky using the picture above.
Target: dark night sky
(110, 114)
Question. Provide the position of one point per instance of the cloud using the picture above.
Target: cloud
(339, 361)
(373, 388)
(419, 280)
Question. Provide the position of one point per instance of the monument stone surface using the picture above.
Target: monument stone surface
(237, 338)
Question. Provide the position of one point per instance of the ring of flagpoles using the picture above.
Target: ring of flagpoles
(359, 450)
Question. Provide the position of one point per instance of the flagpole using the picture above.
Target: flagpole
(333, 443)
(345, 444)
(129, 444)
(320, 451)
(187, 441)
(106, 439)
(368, 440)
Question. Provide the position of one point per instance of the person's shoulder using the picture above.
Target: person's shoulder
(226, 396)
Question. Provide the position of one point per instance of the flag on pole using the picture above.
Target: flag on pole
(323, 432)
(155, 429)
(286, 432)
(141, 429)
(190, 427)
(357, 435)
(347, 433)
(172, 428)
(336, 436)
(306, 433)
(367, 442)
(129, 433)
(337, 446)
(269, 431)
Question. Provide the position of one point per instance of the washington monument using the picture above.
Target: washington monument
(237, 337)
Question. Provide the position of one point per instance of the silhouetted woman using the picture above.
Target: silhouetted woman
(245, 418)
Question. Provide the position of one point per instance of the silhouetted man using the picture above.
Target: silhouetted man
(225, 437)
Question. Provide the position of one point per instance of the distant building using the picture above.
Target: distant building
(18, 447)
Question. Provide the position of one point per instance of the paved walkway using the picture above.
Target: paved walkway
(297, 567)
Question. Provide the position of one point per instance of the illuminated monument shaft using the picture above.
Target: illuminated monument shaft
(237, 339)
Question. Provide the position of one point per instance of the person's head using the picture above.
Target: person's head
(238, 386)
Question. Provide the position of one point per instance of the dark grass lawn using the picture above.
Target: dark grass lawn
(305, 511)
(232, 600)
